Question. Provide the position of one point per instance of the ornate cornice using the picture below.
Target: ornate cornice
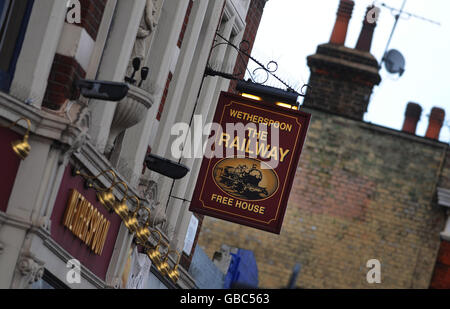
(44, 124)
(65, 256)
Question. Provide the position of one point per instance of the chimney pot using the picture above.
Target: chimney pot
(436, 122)
(366, 35)
(412, 117)
(344, 14)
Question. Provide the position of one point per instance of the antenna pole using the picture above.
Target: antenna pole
(397, 17)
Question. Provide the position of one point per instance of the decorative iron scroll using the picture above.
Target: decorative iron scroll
(268, 69)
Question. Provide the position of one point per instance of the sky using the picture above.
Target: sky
(291, 30)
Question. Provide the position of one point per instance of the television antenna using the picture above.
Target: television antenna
(393, 59)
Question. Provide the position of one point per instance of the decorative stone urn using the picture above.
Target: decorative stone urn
(129, 112)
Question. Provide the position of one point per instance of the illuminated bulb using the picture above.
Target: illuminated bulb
(287, 105)
(154, 255)
(106, 198)
(132, 223)
(163, 268)
(121, 209)
(174, 274)
(143, 233)
(251, 96)
(22, 148)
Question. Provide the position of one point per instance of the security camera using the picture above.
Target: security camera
(102, 90)
(166, 167)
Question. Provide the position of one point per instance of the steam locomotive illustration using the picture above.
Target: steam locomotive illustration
(243, 180)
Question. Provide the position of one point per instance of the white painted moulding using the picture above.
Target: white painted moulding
(444, 197)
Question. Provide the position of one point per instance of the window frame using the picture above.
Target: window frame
(6, 77)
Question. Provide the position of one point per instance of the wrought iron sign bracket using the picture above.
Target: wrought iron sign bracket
(269, 69)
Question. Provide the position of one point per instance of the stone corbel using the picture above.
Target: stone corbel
(114, 284)
(149, 190)
(29, 270)
(81, 137)
(43, 223)
(159, 217)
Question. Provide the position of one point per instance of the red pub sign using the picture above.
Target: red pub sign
(247, 174)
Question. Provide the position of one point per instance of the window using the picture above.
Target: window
(48, 281)
(14, 15)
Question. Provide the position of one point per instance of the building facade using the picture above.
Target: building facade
(362, 192)
(53, 219)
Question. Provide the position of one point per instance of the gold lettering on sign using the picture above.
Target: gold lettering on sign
(86, 222)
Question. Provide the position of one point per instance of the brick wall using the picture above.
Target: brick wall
(91, 15)
(164, 96)
(65, 70)
(441, 275)
(444, 180)
(185, 23)
(205, 273)
(341, 80)
(361, 192)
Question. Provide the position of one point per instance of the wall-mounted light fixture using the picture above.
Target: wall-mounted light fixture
(77, 172)
(285, 105)
(143, 232)
(280, 97)
(132, 222)
(164, 266)
(166, 167)
(105, 196)
(102, 90)
(136, 66)
(174, 274)
(251, 96)
(144, 75)
(153, 252)
(121, 208)
(21, 148)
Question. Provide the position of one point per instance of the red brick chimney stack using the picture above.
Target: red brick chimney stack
(344, 14)
(342, 78)
(412, 117)
(437, 117)
(366, 35)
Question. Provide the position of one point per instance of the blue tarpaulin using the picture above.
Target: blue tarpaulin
(243, 271)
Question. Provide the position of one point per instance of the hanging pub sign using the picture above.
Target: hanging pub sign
(249, 162)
